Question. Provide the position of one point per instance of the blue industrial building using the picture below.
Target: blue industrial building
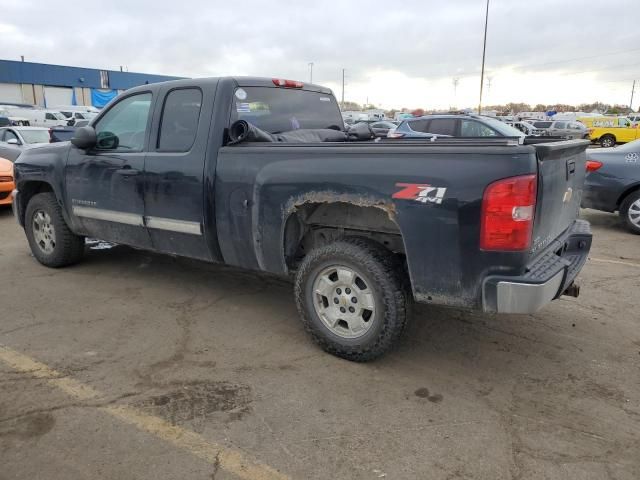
(50, 85)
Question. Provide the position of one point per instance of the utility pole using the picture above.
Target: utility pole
(484, 50)
(633, 89)
(342, 103)
(310, 72)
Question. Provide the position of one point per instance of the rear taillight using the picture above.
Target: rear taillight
(281, 82)
(593, 165)
(508, 206)
(50, 135)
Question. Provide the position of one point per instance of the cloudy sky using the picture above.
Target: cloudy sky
(396, 54)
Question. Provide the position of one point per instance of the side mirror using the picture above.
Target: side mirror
(84, 138)
(13, 141)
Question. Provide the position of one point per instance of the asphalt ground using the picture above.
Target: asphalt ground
(133, 365)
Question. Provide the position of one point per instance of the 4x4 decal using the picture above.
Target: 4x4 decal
(420, 192)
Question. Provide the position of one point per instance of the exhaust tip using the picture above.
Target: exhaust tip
(572, 290)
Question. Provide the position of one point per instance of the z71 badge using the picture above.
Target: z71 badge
(420, 193)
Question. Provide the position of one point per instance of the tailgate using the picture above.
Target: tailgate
(561, 172)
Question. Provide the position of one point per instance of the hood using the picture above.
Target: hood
(6, 167)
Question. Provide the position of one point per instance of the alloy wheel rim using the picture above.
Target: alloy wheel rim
(634, 213)
(344, 301)
(44, 232)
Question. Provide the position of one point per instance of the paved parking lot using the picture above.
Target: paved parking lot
(132, 365)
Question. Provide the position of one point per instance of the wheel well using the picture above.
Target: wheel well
(27, 191)
(627, 192)
(315, 224)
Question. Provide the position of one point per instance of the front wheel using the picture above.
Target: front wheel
(630, 212)
(51, 241)
(608, 141)
(352, 298)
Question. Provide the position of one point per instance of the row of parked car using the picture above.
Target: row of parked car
(22, 115)
(606, 131)
(434, 126)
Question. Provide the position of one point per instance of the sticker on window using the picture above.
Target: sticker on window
(325, 99)
(241, 94)
(243, 107)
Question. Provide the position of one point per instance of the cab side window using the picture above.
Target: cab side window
(49, 116)
(125, 125)
(560, 125)
(180, 116)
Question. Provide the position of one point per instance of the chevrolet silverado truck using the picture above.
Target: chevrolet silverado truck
(365, 228)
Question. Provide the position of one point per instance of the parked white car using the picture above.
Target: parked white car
(40, 117)
(14, 119)
(75, 113)
(76, 108)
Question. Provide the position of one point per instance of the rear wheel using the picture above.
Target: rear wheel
(51, 241)
(351, 298)
(608, 141)
(630, 211)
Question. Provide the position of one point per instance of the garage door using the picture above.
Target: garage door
(10, 93)
(55, 96)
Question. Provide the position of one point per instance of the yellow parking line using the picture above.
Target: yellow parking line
(617, 262)
(233, 461)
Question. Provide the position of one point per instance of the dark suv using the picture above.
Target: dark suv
(453, 126)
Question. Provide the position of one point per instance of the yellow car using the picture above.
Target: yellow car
(607, 131)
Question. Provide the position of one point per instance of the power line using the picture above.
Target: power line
(619, 52)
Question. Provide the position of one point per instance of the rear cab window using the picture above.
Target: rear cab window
(277, 110)
(180, 117)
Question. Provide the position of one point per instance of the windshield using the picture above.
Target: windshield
(278, 110)
(35, 136)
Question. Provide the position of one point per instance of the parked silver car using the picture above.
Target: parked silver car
(13, 140)
(563, 128)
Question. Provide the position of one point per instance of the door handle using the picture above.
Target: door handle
(128, 172)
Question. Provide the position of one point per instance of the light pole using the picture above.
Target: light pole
(310, 72)
(484, 50)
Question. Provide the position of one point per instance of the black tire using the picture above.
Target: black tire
(385, 277)
(607, 141)
(67, 248)
(625, 206)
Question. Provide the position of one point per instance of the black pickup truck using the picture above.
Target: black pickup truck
(365, 228)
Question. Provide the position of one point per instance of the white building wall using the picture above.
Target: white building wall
(58, 95)
(10, 93)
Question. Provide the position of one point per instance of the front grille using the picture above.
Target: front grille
(6, 179)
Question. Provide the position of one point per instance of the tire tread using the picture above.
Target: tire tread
(71, 245)
(385, 270)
